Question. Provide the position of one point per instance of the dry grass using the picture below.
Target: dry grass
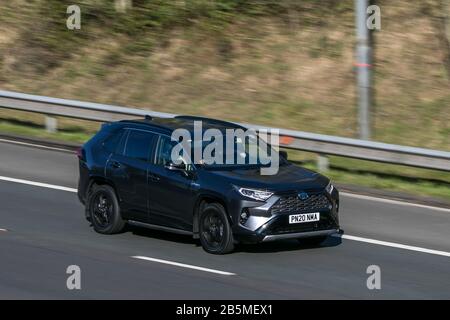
(263, 70)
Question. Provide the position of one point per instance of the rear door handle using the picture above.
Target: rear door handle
(153, 177)
(115, 164)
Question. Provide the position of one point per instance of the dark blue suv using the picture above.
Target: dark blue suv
(127, 175)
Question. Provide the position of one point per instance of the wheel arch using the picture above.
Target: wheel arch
(201, 201)
(99, 180)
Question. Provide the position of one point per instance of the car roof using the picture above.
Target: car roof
(183, 122)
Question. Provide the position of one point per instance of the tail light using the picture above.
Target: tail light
(80, 153)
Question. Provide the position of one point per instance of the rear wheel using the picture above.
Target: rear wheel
(215, 231)
(313, 241)
(103, 210)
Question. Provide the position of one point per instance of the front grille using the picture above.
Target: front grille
(292, 204)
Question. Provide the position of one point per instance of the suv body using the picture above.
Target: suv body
(129, 161)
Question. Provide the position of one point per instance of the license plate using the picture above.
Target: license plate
(304, 217)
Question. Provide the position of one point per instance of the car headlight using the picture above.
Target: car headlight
(329, 188)
(255, 194)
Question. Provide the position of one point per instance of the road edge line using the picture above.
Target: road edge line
(183, 265)
(394, 245)
(38, 184)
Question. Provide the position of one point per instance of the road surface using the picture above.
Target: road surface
(43, 231)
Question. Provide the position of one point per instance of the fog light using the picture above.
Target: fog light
(244, 216)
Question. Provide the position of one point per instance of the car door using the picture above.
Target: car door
(170, 192)
(128, 170)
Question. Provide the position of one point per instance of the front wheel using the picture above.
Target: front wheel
(103, 210)
(215, 231)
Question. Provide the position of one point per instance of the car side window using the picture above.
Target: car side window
(112, 142)
(164, 151)
(139, 145)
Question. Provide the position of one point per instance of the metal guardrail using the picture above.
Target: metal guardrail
(71, 108)
(298, 140)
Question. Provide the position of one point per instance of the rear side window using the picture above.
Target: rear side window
(112, 142)
(139, 145)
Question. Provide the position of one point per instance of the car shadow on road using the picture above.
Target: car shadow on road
(161, 235)
(266, 247)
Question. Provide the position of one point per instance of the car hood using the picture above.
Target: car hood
(289, 177)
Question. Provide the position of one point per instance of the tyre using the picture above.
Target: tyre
(103, 210)
(216, 235)
(313, 241)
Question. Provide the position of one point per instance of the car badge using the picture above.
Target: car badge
(303, 196)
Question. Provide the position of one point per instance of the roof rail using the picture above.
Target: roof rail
(216, 121)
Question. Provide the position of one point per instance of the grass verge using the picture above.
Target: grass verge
(64, 134)
(409, 180)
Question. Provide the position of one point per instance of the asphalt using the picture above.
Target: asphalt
(46, 232)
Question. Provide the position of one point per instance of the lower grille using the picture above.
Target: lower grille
(292, 204)
(281, 225)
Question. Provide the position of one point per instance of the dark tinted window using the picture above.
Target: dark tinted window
(112, 142)
(163, 154)
(139, 145)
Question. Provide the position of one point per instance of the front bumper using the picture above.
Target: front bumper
(266, 224)
(300, 235)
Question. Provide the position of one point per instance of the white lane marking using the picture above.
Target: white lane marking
(397, 202)
(345, 194)
(182, 265)
(395, 245)
(35, 145)
(38, 184)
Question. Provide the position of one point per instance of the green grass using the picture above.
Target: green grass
(39, 132)
(413, 181)
(420, 187)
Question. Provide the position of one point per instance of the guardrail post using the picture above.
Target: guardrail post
(51, 124)
(323, 163)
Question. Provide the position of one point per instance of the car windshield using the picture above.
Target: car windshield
(245, 151)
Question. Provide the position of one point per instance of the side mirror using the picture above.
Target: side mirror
(175, 167)
(283, 154)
